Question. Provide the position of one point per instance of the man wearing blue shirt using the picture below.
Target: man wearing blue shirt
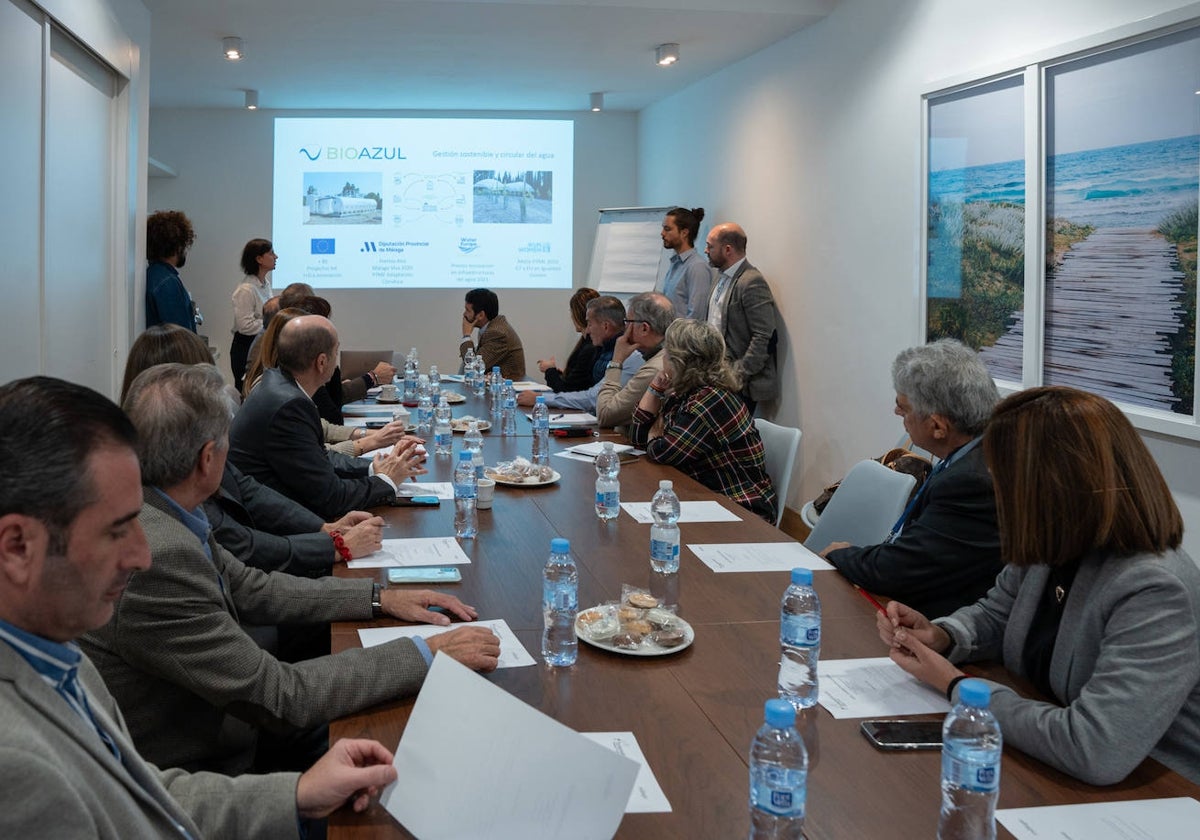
(169, 235)
(688, 282)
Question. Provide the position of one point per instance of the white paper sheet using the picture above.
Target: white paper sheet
(596, 447)
(647, 796)
(524, 775)
(758, 557)
(529, 385)
(1144, 819)
(876, 687)
(414, 551)
(709, 511)
(444, 490)
(569, 418)
(359, 409)
(512, 652)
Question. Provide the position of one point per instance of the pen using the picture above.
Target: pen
(558, 416)
(870, 598)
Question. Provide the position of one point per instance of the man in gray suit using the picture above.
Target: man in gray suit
(196, 690)
(742, 309)
(70, 539)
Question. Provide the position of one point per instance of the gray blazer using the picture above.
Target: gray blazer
(1126, 664)
(750, 333)
(195, 688)
(59, 780)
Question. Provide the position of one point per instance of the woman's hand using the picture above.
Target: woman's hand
(364, 538)
(917, 645)
(379, 438)
(546, 364)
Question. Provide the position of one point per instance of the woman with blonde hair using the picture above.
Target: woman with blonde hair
(692, 418)
(1097, 606)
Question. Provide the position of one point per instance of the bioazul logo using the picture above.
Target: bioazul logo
(468, 244)
(354, 153)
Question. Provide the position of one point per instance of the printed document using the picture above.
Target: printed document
(878, 687)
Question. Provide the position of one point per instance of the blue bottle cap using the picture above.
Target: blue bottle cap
(540, 400)
(802, 577)
(560, 545)
(975, 693)
(779, 713)
(508, 382)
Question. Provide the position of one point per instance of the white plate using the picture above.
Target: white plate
(689, 636)
(501, 479)
(460, 427)
(453, 397)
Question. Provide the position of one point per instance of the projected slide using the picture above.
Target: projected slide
(421, 203)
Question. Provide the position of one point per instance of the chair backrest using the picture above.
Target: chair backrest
(865, 507)
(357, 362)
(781, 444)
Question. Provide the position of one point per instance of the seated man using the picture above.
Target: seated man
(196, 688)
(944, 552)
(277, 438)
(604, 323)
(645, 326)
(499, 344)
(69, 541)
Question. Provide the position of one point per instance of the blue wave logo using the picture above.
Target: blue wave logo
(310, 155)
(467, 244)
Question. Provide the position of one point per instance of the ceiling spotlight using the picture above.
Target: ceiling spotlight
(666, 54)
(597, 101)
(251, 100)
(232, 48)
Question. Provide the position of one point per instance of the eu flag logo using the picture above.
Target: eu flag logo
(323, 246)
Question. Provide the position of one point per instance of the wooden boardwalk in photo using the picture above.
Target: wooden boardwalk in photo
(1110, 311)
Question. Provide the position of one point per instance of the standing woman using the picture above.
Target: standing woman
(692, 418)
(258, 259)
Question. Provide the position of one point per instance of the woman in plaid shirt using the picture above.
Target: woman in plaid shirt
(692, 418)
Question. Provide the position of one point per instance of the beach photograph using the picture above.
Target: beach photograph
(1122, 175)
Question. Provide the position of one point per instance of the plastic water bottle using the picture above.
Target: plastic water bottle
(443, 435)
(664, 533)
(424, 408)
(608, 486)
(494, 385)
(469, 368)
(473, 443)
(481, 382)
(508, 415)
(541, 431)
(435, 384)
(778, 776)
(466, 519)
(971, 746)
(800, 640)
(410, 382)
(560, 602)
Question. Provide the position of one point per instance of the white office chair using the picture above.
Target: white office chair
(865, 507)
(781, 444)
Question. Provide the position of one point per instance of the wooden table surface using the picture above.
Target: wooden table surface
(695, 712)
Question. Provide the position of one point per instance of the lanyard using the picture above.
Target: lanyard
(894, 534)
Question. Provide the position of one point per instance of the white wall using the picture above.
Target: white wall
(813, 145)
(223, 159)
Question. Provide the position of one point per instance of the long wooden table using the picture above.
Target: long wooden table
(694, 713)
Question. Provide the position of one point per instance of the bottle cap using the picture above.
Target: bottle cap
(540, 400)
(779, 713)
(975, 693)
(496, 368)
(802, 577)
(560, 545)
(608, 444)
(665, 484)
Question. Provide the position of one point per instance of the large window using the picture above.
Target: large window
(1061, 213)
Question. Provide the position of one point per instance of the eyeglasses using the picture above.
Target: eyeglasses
(629, 321)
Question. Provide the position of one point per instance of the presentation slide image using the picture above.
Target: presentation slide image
(513, 197)
(343, 198)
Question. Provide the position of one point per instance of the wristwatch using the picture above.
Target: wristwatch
(377, 600)
(613, 366)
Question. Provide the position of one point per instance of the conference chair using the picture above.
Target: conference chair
(781, 444)
(865, 507)
(357, 362)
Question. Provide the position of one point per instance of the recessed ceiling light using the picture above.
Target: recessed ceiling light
(597, 101)
(666, 54)
(232, 48)
(252, 100)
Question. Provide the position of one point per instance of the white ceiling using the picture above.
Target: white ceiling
(536, 55)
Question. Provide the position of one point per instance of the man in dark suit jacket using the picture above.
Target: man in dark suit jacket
(195, 687)
(277, 439)
(945, 551)
(742, 308)
(499, 344)
(69, 542)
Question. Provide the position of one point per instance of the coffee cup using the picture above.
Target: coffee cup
(401, 415)
(485, 490)
(387, 392)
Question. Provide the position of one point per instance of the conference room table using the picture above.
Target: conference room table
(693, 712)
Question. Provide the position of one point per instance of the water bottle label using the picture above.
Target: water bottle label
(464, 491)
(664, 551)
(443, 440)
(779, 792)
(559, 597)
(608, 499)
(971, 769)
(800, 630)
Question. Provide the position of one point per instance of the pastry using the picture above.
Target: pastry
(642, 600)
(667, 638)
(628, 641)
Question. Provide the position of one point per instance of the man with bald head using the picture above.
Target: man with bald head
(276, 436)
(742, 309)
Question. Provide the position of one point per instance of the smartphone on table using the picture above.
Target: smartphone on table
(903, 734)
(424, 574)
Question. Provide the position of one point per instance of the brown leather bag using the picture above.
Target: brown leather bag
(898, 459)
